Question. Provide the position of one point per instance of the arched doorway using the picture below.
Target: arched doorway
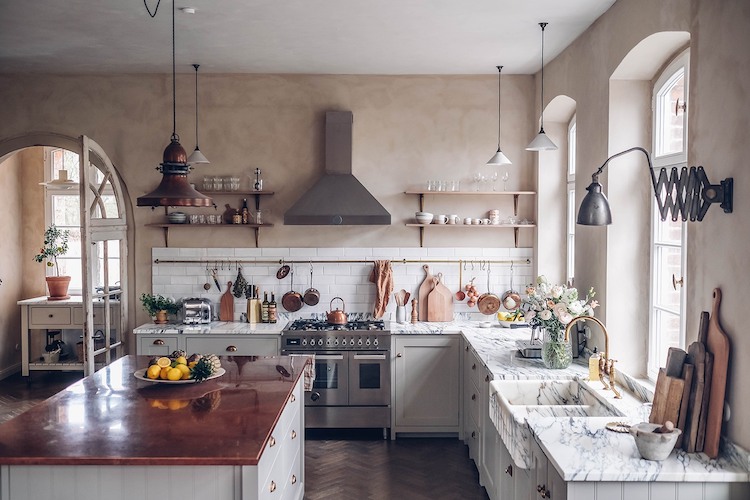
(103, 207)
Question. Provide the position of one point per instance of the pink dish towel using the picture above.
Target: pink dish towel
(382, 276)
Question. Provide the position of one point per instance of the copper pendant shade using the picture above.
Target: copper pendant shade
(174, 188)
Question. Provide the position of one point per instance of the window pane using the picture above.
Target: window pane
(72, 268)
(668, 263)
(668, 325)
(669, 131)
(65, 210)
(67, 160)
(668, 231)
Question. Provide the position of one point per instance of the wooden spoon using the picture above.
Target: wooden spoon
(460, 294)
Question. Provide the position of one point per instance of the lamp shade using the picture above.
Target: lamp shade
(541, 143)
(197, 157)
(499, 158)
(594, 209)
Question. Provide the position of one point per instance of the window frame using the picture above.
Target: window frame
(571, 201)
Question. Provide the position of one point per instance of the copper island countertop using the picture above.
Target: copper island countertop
(112, 418)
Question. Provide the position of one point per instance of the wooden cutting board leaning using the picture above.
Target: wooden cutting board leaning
(424, 290)
(717, 343)
(439, 301)
(226, 305)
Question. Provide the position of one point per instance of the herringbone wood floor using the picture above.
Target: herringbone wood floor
(377, 469)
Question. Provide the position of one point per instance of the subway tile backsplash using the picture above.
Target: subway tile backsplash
(333, 278)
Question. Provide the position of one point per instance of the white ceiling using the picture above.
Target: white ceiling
(289, 36)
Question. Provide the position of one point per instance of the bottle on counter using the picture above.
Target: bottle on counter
(594, 365)
(272, 309)
(264, 309)
(258, 185)
(245, 212)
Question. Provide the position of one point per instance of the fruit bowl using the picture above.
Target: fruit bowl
(141, 375)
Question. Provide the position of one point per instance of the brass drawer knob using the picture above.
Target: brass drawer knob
(509, 470)
(293, 398)
(474, 366)
(231, 348)
(473, 397)
(272, 442)
(294, 479)
(272, 487)
(158, 342)
(294, 434)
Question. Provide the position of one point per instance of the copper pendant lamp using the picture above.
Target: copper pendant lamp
(174, 188)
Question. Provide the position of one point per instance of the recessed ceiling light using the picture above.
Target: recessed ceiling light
(188, 10)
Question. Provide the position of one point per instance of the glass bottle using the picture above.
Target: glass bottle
(264, 309)
(245, 212)
(258, 186)
(272, 309)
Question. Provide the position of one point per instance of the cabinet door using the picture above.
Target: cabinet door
(232, 345)
(488, 449)
(426, 378)
(505, 474)
(156, 345)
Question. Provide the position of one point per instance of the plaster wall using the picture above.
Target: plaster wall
(10, 272)
(719, 96)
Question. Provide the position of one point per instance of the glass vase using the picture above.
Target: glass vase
(556, 352)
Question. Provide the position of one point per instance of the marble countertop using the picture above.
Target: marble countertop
(112, 418)
(222, 327)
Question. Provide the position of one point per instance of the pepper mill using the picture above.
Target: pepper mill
(414, 311)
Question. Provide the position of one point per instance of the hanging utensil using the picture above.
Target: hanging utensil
(216, 279)
(240, 283)
(292, 301)
(207, 285)
(460, 294)
(283, 271)
(312, 296)
(488, 303)
(511, 299)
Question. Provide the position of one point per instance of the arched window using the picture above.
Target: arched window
(668, 239)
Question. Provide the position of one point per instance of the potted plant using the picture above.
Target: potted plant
(55, 245)
(159, 306)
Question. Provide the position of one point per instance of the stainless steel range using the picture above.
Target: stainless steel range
(352, 386)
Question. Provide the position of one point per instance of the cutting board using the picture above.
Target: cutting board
(439, 301)
(226, 304)
(697, 358)
(687, 376)
(424, 290)
(667, 398)
(717, 343)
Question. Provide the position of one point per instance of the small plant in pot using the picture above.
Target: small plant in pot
(55, 245)
(159, 306)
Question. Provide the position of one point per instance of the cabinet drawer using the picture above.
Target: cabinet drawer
(293, 488)
(232, 345)
(472, 401)
(156, 345)
(49, 316)
(98, 317)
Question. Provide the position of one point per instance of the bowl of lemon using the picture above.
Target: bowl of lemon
(511, 319)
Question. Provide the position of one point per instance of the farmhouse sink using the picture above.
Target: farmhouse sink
(513, 401)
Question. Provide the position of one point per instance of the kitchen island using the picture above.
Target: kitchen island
(110, 435)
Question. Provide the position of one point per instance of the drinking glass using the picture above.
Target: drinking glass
(494, 180)
(478, 178)
(506, 176)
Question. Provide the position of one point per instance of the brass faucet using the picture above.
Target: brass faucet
(606, 365)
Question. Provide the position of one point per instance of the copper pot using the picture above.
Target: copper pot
(337, 317)
(292, 301)
(312, 295)
(488, 303)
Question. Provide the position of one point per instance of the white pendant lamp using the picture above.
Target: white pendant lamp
(499, 158)
(196, 156)
(541, 142)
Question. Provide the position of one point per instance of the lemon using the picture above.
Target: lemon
(163, 362)
(192, 364)
(163, 374)
(174, 374)
(175, 404)
(153, 372)
(181, 360)
(185, 371)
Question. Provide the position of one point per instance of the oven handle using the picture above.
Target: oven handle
(329, 356)
(369, 356)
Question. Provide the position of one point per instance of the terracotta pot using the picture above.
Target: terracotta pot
(161, 317)
(58, 287)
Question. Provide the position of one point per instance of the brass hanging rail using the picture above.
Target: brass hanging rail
(346, 261)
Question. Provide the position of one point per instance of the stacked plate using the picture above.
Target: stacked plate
(177, 217)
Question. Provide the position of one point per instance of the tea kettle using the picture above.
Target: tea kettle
(337, 317)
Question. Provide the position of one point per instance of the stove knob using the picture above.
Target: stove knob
(328, 341)
(336, 341)
(367, 342)
(375, 342)
(320, 342)
(304, 341)
(351, 342)
(360, 341)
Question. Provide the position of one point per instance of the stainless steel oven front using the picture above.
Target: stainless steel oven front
(352, 385)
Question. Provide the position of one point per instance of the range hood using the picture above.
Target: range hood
(337, 198)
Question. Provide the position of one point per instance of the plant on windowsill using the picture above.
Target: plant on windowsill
(159, 306)
(55, 245)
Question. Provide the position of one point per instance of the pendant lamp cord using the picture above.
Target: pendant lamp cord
(543, 25)
(174, 84)
(499, 99)
(196, 66)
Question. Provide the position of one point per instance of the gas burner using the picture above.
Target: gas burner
(318, 325)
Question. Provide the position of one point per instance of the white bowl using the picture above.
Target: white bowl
(423, 217)
(177, 217)
(652, 445)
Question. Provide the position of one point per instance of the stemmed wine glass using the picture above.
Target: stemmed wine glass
(478, 179)
(494, 180)
(506, 176)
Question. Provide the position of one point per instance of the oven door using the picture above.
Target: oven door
(369, 379)
(331, 384)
